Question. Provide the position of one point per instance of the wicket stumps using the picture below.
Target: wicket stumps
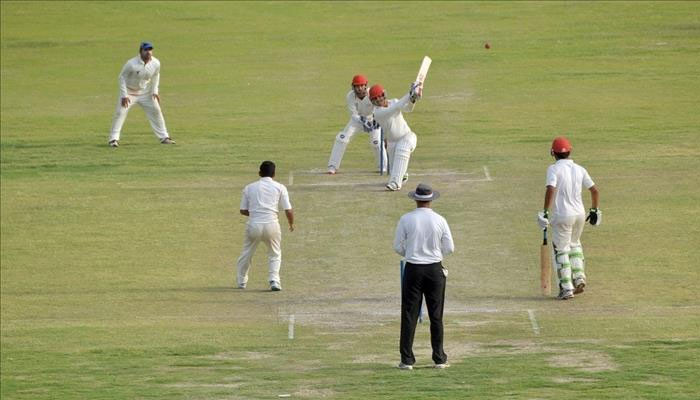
(402, 266)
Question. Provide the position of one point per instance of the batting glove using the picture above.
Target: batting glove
(595, 216)
(416, 91)
(543, 219)
(366, 124)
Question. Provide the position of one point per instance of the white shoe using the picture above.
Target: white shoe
(332, 170)
(241, 285)
(579, 284)
(275, 286)
(566, 295)
(113, 143)
(442, 366)
(405, 367)
(167, 140)
(392, 186)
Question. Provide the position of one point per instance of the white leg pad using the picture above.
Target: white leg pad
(577, 263)
(379, 155)
(401, 154)
(563, 270)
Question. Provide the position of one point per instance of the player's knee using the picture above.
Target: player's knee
(343, 137)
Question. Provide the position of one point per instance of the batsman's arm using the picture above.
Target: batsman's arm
(290, 218)
(594, 196)
(548, 196)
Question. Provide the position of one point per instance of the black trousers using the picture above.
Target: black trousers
(422, 280)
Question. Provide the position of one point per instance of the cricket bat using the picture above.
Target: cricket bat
(423, 71)
(545, 266)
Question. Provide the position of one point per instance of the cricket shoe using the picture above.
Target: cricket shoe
(167, 140)
(332, 170)
(241, 285)
(392, 186)
(566, 295)
(579, 284)
(442, 366)
(275, 286)
(405, 367)
(113, 143)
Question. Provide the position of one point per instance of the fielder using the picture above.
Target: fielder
(360, 120)
(138, 83)
(565, 180)
(401, 141)
(261, 202)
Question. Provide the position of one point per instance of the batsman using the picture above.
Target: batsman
(401, 140)
(565, 181)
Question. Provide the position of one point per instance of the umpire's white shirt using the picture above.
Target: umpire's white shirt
(263, 199)
(423, 237)
(138, 78)
(568, 178)
(391, 118)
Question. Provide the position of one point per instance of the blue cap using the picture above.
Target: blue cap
(146, 46)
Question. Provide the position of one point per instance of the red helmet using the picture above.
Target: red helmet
(561, 145)
(358, 80)
(376, 91)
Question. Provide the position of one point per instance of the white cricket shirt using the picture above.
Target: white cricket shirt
(391, 118)
(263, 199)
(358, 107)
(138, 78)
(568, 178)
(423, 237)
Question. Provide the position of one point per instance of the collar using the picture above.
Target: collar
(265, 178)
(565, 160)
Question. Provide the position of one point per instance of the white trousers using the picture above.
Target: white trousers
(270, 234)
(399, 155)
(343, 138)
(566, 235)
(153, 112)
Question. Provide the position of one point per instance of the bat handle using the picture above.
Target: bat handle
(544, 236)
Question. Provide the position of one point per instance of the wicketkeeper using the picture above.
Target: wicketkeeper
(360, 120)
(565, 180)
(401, 141)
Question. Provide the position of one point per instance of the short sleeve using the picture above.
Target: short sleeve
(284, 203)
(587, 181)
(551, 177)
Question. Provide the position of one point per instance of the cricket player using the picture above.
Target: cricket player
(401, 141)
(565, 180)
(138, 83)
(261, 202)
(423, 238)
(360, 120)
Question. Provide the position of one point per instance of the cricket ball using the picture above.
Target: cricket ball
(487, 46)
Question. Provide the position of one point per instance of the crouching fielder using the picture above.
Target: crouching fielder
(401, 141)
(565, 180)
(360, 120)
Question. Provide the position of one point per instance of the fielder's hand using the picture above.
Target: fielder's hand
(125, 102)
(595, 216)
(416, 91)
(543, 219)
(366, 124)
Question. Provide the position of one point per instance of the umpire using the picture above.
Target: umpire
(423, 238)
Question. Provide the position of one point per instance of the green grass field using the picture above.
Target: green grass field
(118, 266)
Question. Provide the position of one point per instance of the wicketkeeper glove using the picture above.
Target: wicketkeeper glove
(416, 91)
(595, 216)
(543, 219)
(366, 124)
